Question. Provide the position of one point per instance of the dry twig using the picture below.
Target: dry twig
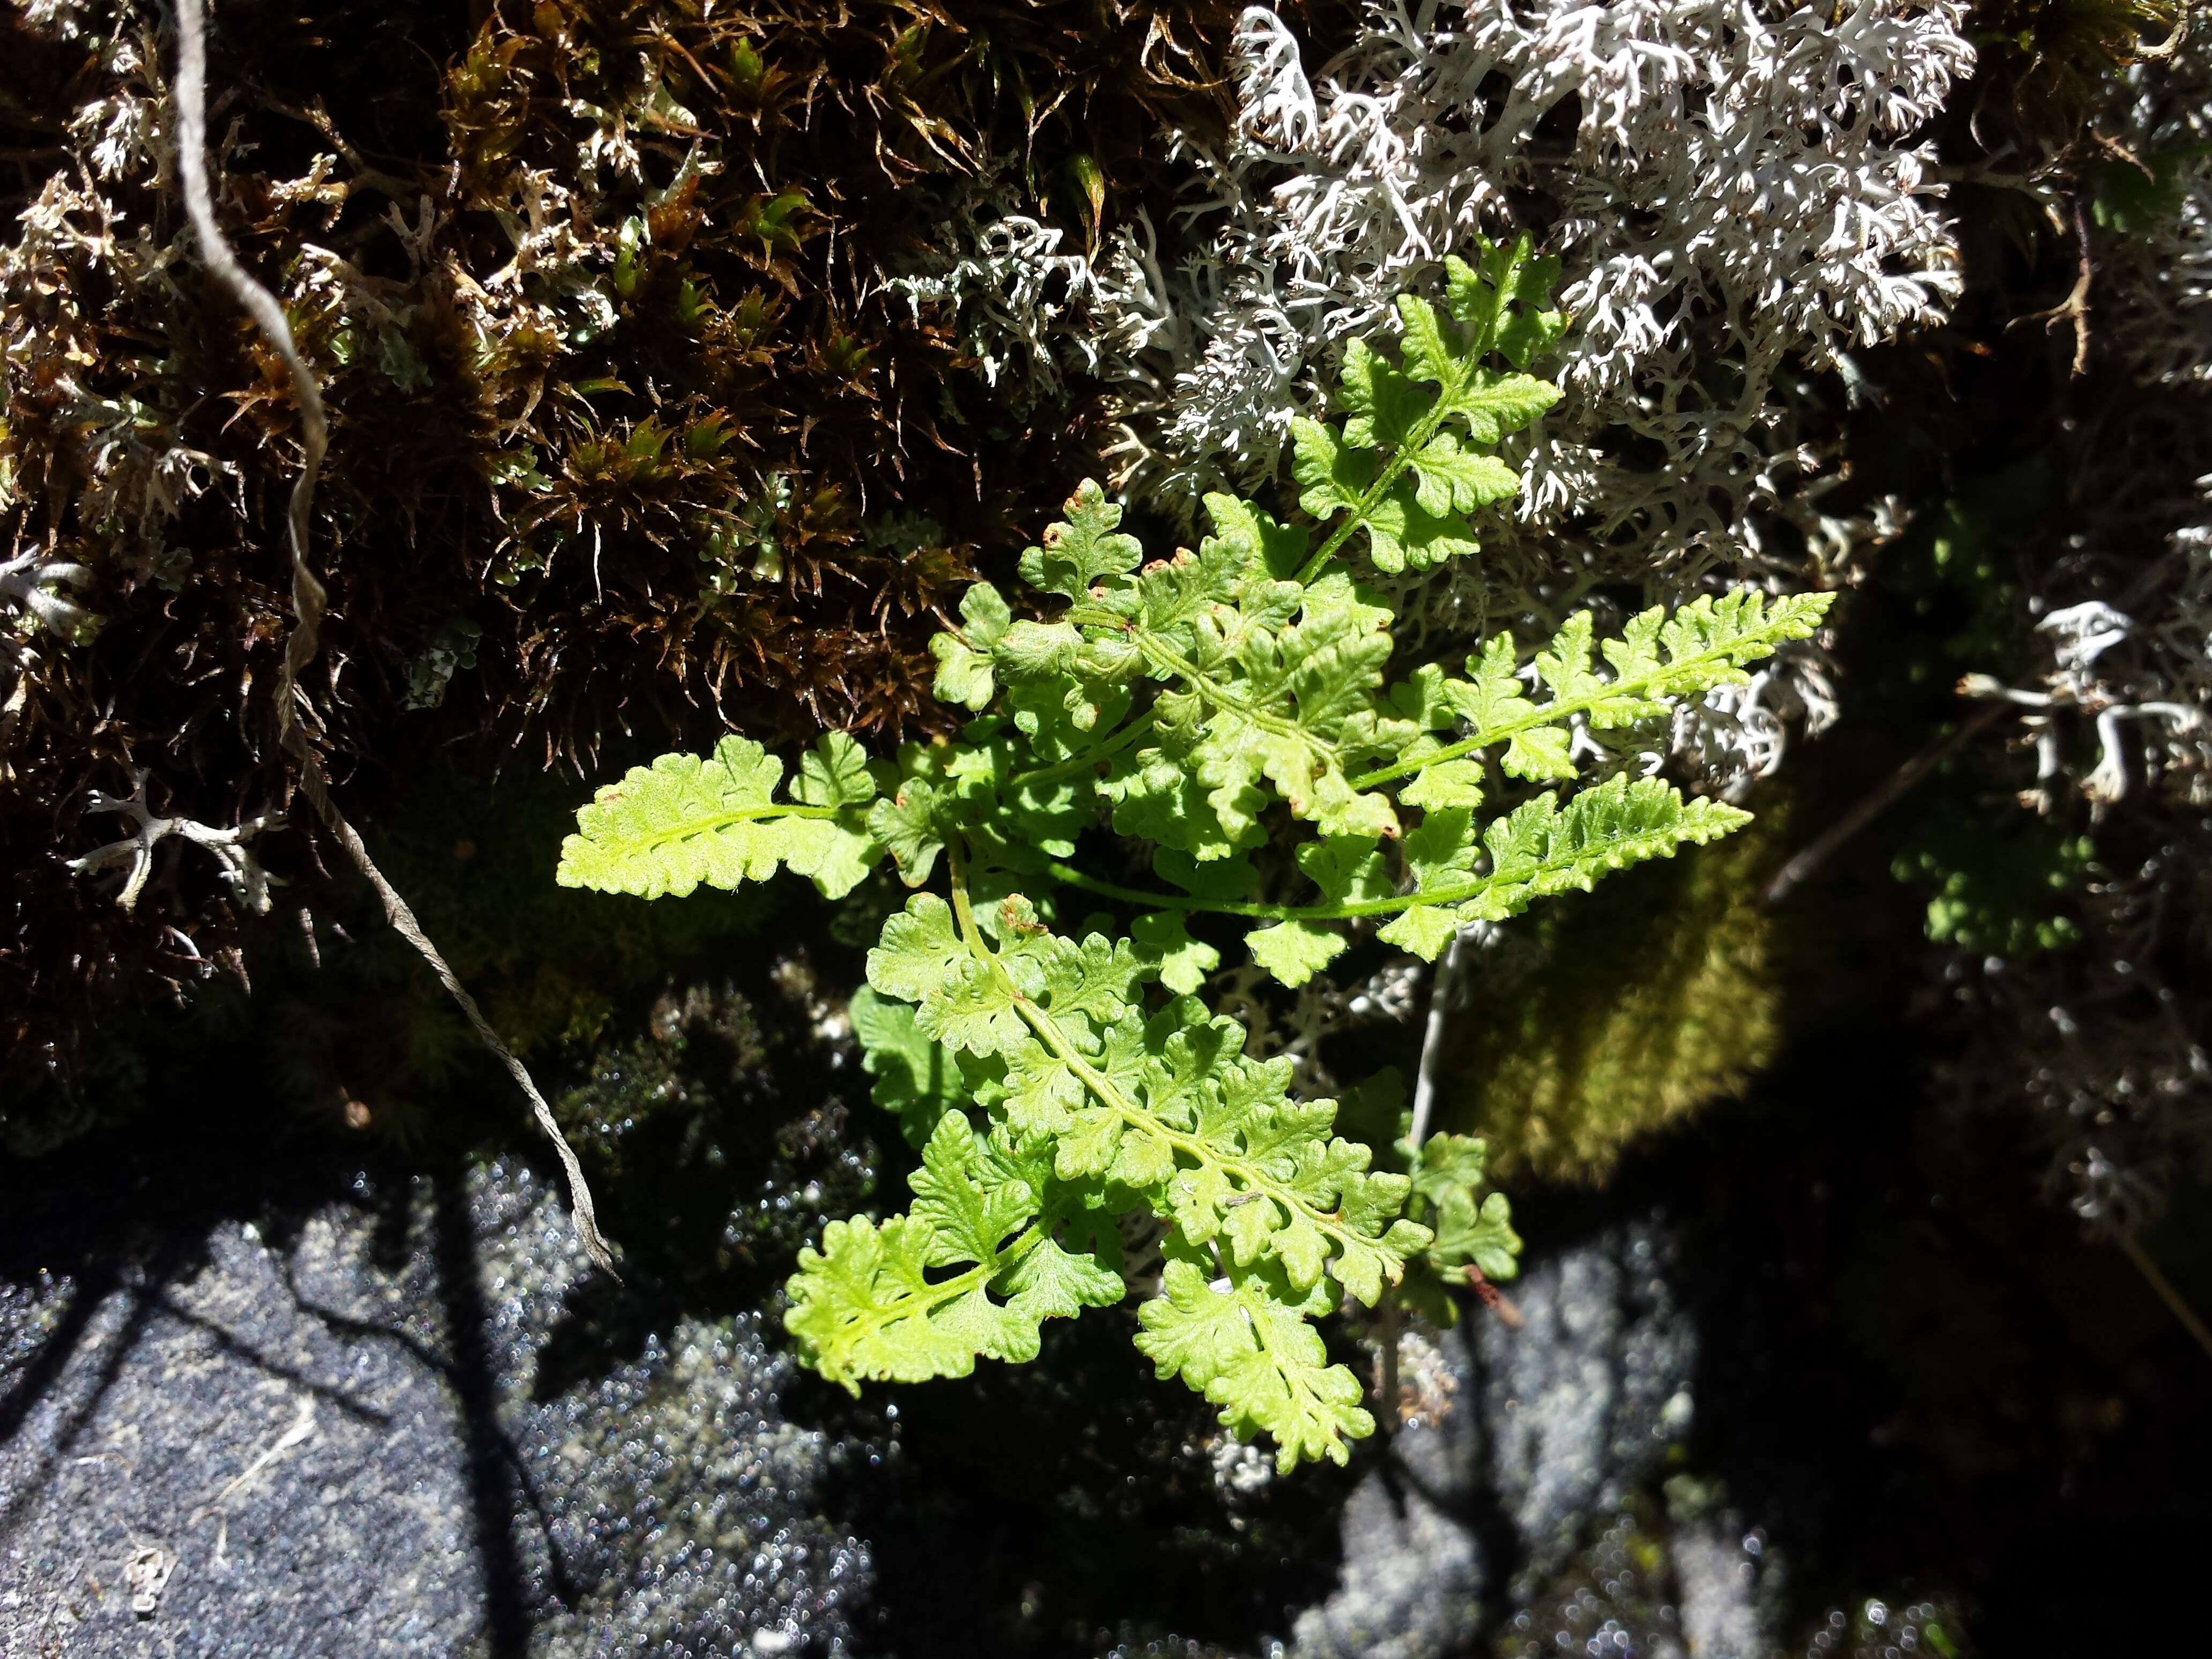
(308, 593)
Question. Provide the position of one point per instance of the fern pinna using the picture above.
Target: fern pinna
(1207, 704)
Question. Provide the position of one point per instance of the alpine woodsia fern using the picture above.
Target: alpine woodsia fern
(1207, 704)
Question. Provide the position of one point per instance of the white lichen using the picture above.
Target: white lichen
(1739, 195)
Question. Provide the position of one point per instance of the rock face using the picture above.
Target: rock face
(1515, 1440)
(371, 1433)
(330, 1443)
(1580, 1405)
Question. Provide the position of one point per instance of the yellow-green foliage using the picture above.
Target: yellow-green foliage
(1183, 700)
(1625, 1013)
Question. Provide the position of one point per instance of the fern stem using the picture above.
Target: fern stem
(924, 1302)
(1166, 656)
(713, 821)
(1069, 876)
(1090, 757)
(1400, 457)
(1108, 1093)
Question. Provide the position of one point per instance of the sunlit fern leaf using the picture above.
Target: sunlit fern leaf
(1543, 848)
(971, 1272)
(1258, 1358)
(684, 820)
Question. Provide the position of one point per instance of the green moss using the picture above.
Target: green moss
(631, 440)
(1621, 1013)
(1999, 888)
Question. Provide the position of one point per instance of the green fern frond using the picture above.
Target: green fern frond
(684, 821)
(1542, 848)
(1410, 460)
(1660, 660)
(1165, 1105)
(1254, 1353)
(865, 1307)
(1201, 703)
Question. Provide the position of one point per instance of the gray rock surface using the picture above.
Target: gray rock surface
(345, 1441)
(1520, 1437)
(1579, 1406)
(1717, 1582)
(297, 1450)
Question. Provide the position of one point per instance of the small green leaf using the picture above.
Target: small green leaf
(1384, 405)
(964, 676)
(1448, 783)
(921, 947)
(1424, 930)
(1279, 550)
(1403, 534)
(1543, 754)
(1347, 868)
(1456, 480)
(1259, 1360)
(1429, 356)
(835, 773)
(969, 1203)
(1053, 1283)
(1084, 548)
(972, 1009)
(879, 1302)
(906, 824)
(1163, 939)
(1331, 475)
(918, 1079)
(1495, 404)
(1294, 951)
(963, 659)
(1482, 1234)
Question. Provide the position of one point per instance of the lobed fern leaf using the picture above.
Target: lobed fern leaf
(865, 1306)
(684, 821)
(1251, 1351)
(1411, 458)
(1542, 849)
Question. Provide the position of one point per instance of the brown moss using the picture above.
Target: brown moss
(595, 290)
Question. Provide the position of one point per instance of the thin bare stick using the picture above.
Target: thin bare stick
(1424, 1100)
(1880, 801)
(1432, 1041)
(2074, 307)
(309, 596)
(1388, 1385)
(2171, 43)
(2164, 1288)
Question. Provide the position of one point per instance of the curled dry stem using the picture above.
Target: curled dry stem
(309, 596)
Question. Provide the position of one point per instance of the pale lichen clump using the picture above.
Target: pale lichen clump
(1741, 196)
